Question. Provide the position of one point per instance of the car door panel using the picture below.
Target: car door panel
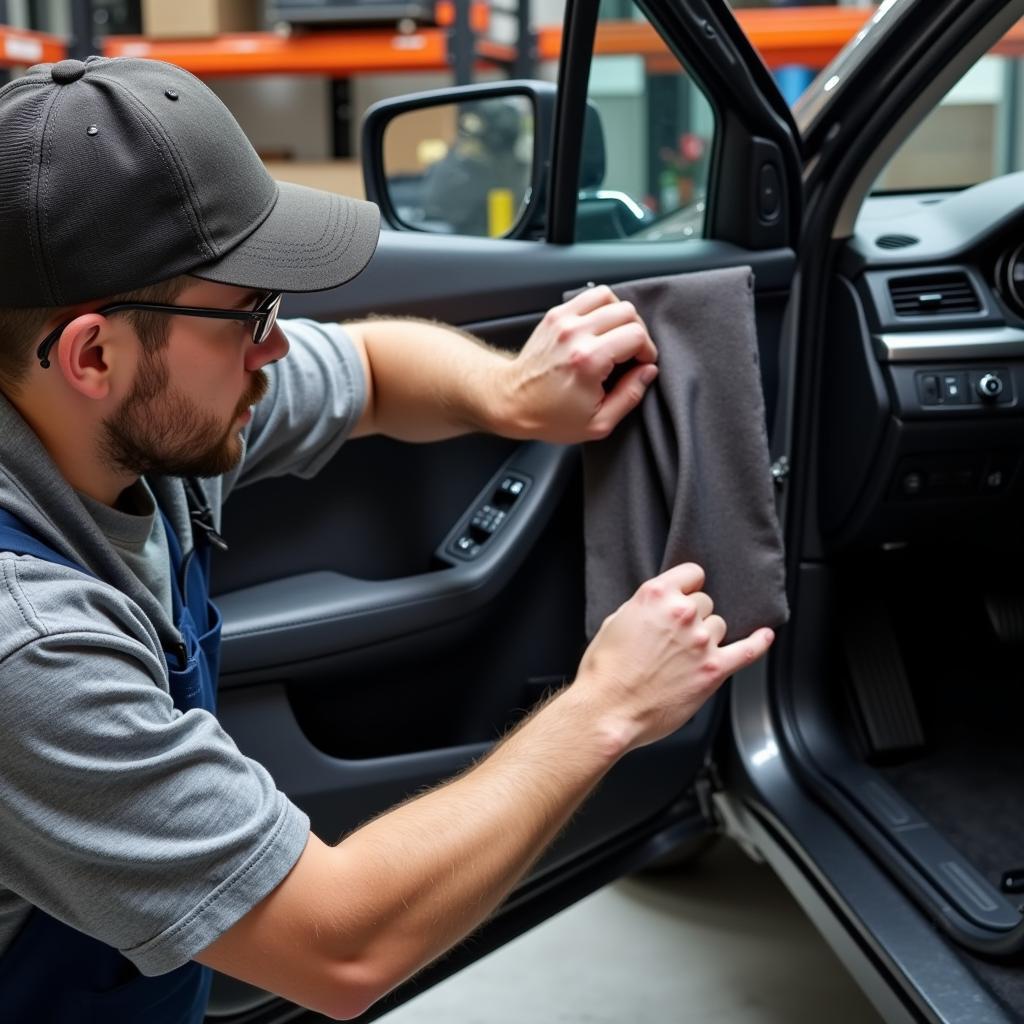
(354, 714)
(300, 618)
(312, 596)
(361, 665)
(349, 730)
(472, 280)
(387, 697)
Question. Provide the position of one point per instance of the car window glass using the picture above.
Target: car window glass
(647, 140)
(975, 133)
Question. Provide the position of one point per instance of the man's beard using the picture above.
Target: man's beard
(159, 431)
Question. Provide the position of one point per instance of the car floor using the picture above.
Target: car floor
(721, 943)
(967, 779)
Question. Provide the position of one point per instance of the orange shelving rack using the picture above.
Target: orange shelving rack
(788, 35)
(19, 47)
(785, 35)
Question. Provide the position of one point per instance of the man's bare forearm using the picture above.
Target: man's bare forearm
(350, 922)
(428, 381)
(440, 864)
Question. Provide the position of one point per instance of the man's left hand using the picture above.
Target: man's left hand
(554, 389)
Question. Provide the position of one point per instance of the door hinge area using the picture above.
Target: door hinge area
(704, 788)
(720, 808)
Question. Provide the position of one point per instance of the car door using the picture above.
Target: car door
(891, 885)
(363, 662)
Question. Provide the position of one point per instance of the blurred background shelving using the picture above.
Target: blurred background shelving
(298, 74)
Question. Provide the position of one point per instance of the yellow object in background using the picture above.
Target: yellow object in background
(500, 211)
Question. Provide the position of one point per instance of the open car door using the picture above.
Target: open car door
(362, 660)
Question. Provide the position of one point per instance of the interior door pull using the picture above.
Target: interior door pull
(313, 615)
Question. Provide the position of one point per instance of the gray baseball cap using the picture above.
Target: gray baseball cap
(116, 173)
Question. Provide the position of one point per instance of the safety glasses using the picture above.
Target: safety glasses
(263, 317)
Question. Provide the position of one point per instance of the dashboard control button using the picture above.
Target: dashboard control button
(953, 389)
(990, 386)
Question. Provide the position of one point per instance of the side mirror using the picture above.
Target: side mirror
(470, 160)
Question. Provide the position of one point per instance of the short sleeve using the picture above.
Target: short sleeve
(141, 826)
(316, 397)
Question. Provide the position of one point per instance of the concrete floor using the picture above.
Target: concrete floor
(722, 943)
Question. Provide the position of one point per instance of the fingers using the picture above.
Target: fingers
(716, 627)
(687, 577)
(623, 342)
(627, 394)
(599, 312)
(590, 299)
(696, 610)
(619, 333)
(705, 606)
(738, 655)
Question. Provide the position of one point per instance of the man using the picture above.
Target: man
(143, 250)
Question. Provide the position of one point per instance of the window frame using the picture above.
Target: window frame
(753, 122)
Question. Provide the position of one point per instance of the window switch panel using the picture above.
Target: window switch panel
(488, 518)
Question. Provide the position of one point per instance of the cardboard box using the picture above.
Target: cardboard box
(185, 19)
(344, 176)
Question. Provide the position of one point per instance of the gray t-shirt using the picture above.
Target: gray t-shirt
(119, 815)
(137, 534)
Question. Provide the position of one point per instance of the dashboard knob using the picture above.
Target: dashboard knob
(990, 386)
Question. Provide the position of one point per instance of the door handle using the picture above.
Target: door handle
(314, 615)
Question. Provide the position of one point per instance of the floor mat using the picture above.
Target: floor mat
(974, 794)
(969, 780)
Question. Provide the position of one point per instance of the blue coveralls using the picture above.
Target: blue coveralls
(53, 974)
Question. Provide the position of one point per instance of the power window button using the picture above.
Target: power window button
(466, 545)
(953, 389)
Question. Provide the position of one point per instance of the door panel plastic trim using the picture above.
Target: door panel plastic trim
(460, 280)
(300, 618)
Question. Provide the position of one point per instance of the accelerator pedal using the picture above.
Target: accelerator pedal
(881, 690)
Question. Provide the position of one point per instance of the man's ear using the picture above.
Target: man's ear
(86, 354)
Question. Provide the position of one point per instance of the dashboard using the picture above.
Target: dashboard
(923, 391)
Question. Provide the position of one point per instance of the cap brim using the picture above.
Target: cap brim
(311, 240)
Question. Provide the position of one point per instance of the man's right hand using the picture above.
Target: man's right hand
(351, 922)
(660, 656)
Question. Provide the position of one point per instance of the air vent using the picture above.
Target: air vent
(933, 295)
(895, 241)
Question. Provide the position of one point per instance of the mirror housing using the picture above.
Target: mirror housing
(541, 96)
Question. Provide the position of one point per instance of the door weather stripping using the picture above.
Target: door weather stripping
(971, 343)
